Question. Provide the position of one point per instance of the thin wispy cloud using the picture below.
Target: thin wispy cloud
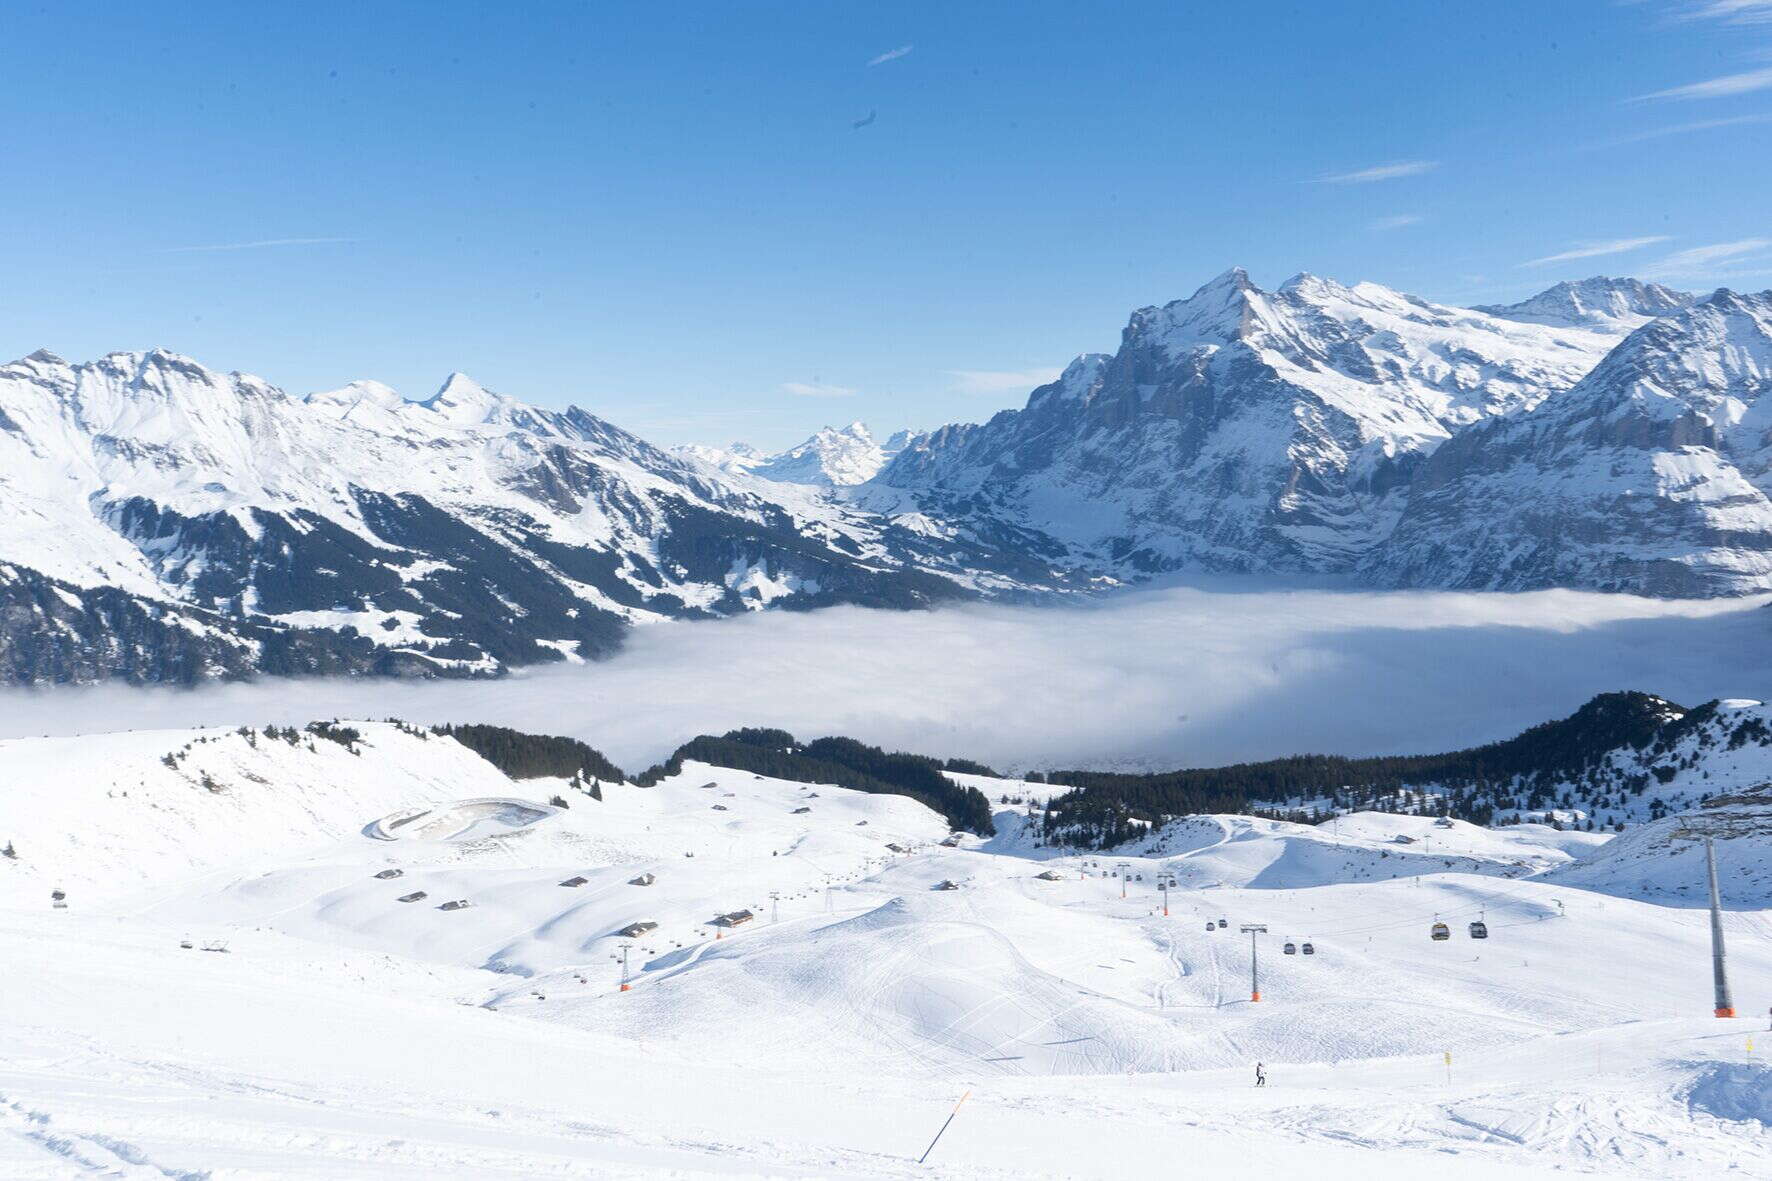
(1727, 86)
(1397, 221)
(1684, 129)
(1596, 250)
(891, 55)
(1700, 260)
(259, 244)
(1729, 12)
(816, 389)
(1366, 176)
(1000, 381)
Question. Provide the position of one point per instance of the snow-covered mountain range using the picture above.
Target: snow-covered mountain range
(167, 522)
(1245, 430)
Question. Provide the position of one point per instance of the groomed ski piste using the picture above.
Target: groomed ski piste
(264, 969)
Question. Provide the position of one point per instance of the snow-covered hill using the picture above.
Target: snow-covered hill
(1663, 861)
(347, 1031)
(114, 818)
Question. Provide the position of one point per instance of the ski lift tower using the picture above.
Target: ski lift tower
(625, 986)
(1718, 969)
(1252, 930)
(1123, 870)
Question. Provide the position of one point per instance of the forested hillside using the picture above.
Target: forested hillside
(1594, 768)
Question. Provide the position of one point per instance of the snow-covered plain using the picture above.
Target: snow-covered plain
(346, 1033)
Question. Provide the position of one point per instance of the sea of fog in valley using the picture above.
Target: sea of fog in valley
(1175, 677)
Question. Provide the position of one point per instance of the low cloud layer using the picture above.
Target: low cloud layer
(1165, 678)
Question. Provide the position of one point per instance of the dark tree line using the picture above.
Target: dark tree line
(1517, 773)
(533, 756)
(840, 761)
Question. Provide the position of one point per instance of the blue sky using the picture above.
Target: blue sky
(666, 214)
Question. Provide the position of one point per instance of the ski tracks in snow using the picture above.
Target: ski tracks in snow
(84, 1152)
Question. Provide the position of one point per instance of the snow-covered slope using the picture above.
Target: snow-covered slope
(1246, 851)
(114, 818)
(1612, 305)
(1650, 475)
(1241, 429)
(354, 530)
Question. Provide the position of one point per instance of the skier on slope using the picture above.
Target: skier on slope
(1260, 1076)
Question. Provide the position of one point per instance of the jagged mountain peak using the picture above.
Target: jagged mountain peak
(1222, 310)
(833, 457)
(464, 401)
(855, 430)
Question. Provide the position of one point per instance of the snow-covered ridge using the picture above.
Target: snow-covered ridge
(1600, 302)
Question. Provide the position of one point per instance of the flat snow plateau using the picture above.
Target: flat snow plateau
(347, 1033)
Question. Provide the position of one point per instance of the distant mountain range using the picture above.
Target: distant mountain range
(164, 522)
(834, 457)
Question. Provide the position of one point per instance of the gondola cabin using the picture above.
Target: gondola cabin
(1309, 949)
(1290, 949)
(1479, 930)
(1441, 932)
(1223, 923)
(1211, 926)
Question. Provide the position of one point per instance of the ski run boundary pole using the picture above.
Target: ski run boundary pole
(944, 1128)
